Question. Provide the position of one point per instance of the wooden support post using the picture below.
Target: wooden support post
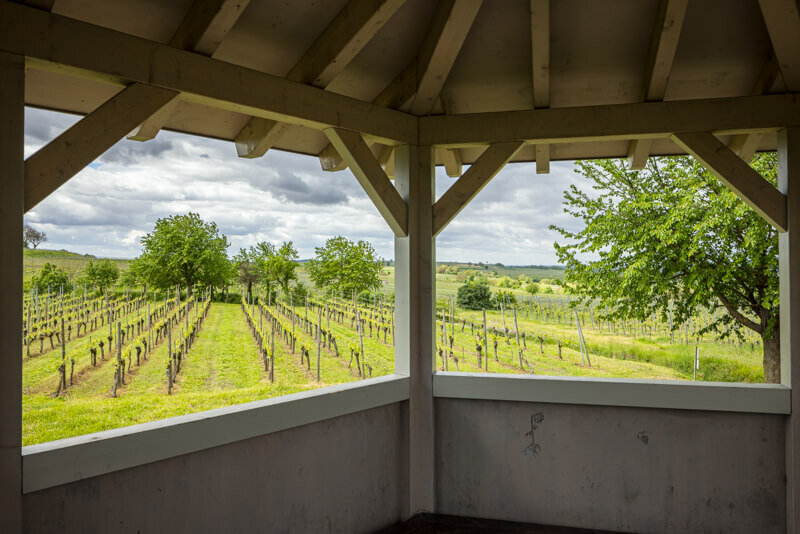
(789, 268)
(415, 317)
(12, 94)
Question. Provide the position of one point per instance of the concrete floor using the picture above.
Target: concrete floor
(448, 524)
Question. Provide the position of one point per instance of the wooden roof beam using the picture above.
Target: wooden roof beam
(738, 176)
(472, 182)
(451, 23)
(666, 34)
(782, 18)
(68, 46)
(540, 56)
(58, 161)
(372, 178)
(614, 122)
(202, 30)
(349, 32)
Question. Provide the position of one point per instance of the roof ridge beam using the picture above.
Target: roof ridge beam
(472, 182)
(368, 172)
(349, 32)
(62, 158)
(737, 175)
(666, 34)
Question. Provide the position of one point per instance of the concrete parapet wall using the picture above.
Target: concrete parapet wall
(345, 474)
(613, 468)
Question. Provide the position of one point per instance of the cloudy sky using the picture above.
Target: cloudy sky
(109, 206)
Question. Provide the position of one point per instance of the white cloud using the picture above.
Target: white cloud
(109, 206)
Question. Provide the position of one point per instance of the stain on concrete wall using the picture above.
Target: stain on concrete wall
(623, 469)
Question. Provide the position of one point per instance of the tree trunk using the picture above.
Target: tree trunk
(772, 357)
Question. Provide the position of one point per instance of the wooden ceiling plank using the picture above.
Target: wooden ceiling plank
(613, 122)
(745, 145)
(373, 179)
(451, 23)
(666, 34)
(472, 182)
(58, 161)
(782, 18)
(349, 32)
(738, 176)
(202, 30)
(540, 57)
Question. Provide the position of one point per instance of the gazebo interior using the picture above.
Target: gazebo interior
(389, 89)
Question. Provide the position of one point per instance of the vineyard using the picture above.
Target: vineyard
(97, 360)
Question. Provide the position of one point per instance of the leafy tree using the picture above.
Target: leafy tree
(185, 250)
(532, 288)
(102, 272)
(51, 278)
(506, 297)
(277, 265)
(247, 268)
(474, 295)
(343, 266)
(32, 237)
(672, 240)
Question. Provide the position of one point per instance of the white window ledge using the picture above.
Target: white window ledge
(67, 460)
(674, 394)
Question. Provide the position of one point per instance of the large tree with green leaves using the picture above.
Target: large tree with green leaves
(345, 267)
(672, 240)
(102, 272)
(267, 264)
(185, 250)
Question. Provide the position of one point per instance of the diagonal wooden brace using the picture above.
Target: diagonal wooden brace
(737, 175)
(368, 172)
(470, 184)
(65, 156)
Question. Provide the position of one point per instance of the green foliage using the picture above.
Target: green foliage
(345, 267)
(299, 292)
(532, 288)
(101, 272)
(474, 295)
(672, 240)
(50, 277)
(185, 250)
(506, 297)
(507, 281)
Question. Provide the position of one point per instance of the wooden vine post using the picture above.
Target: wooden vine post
(319, 339)
(516, 328)
(485, 337)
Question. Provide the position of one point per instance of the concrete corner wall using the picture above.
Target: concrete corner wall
(623, 469)
(346, 474)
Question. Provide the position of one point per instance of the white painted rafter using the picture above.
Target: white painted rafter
(782, 18)
(540, 57)
(666, 34)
